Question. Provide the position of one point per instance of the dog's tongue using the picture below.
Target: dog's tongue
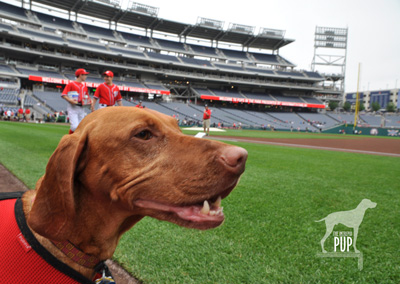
(194, 213)
(199, 214)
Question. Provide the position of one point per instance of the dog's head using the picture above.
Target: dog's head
(366, 203)
(135, 162)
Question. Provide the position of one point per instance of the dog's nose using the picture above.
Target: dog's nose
(234, 158)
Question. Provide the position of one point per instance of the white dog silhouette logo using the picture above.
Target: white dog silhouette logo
(352, 219)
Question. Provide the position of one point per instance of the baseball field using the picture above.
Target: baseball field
(270, 234)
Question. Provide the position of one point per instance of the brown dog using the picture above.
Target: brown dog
(120, 165)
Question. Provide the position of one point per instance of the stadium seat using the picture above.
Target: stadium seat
(8, 96)
(171, 45)
(234, 54)
(319, 120)
(40, 35)
(11, 10)
(56, 22)
(372, 120)
(51, 99)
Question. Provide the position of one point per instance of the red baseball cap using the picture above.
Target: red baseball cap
(80, 71)
(109, 74)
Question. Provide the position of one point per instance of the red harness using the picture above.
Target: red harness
(23, 259)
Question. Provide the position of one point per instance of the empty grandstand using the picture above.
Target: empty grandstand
(175, 67)
(60, 43)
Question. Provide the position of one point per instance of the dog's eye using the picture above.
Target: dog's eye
(144, 135)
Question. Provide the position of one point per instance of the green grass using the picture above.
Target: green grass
(26, 148)
(269, 235)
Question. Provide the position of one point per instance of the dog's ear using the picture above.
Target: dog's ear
(53, 210)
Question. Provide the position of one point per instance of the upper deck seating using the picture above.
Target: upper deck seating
(232, 94)
(265, 58)
(41, 73)
(98, 32)
(163, 57)
(12, 10)
(204, 50)
(56, 22)
(258, 96)
(43, 35)
(171, 45)
(234, 54)
(87, 45)
(138, 40)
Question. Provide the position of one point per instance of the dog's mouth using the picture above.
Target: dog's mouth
(205, 215)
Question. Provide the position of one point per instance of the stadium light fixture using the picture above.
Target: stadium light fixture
(241, 28)
(141, 8)
(271, 33)
(331, 37)
(210, 23)
(114, 3)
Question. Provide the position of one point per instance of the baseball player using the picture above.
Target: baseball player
(73, 93)
(206, 120)
(107, 93)
(139, 105)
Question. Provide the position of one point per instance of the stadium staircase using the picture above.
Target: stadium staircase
(303, 100)
(263, 119)
(214, 116)
(173, 110)
(327, 114)
(275, 118)
(233, 117)
(305, 120)
(37, 106)
(241, 114)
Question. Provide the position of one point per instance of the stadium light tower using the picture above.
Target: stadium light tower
(330, 50)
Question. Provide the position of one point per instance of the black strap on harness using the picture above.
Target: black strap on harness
(11, 195)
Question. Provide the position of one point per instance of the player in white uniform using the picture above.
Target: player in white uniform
(74, 93)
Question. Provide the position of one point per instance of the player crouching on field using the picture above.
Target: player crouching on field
(107, 92)
(74, 93)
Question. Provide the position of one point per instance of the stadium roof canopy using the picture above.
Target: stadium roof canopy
(110, 10)
(105, 11)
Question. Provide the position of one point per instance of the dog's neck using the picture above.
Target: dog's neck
(360, 209)
(98, 233)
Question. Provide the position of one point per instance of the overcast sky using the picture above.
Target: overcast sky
(374, 30)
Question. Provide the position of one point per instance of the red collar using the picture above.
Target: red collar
(76, 255)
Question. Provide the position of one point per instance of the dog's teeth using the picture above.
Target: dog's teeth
(217, 203)
(206, 208)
